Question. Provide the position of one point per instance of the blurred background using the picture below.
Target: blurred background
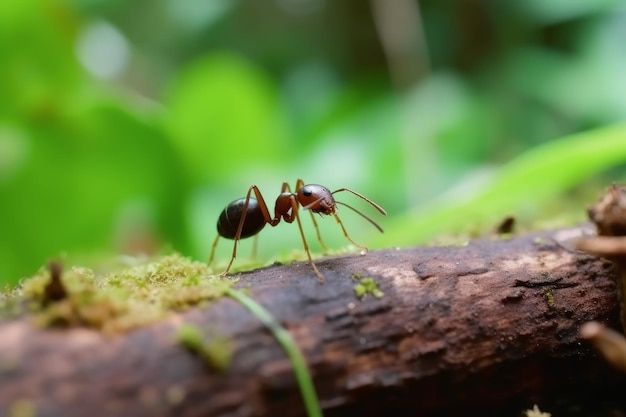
(126, 127)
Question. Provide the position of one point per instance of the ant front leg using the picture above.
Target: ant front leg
(289, 218)
(319, 235)
(299, 185)
(345, 233)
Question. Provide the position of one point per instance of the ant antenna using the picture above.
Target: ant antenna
(380, 229)
(361, 196)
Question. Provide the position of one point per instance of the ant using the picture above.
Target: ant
(247, 216)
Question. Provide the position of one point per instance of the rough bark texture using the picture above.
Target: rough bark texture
(488, 327)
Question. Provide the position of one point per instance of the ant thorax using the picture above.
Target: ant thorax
(283, 206)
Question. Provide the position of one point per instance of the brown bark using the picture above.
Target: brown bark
(488, 327)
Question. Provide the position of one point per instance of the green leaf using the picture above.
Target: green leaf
(225, 116)
(94, 180)
(542, 173)
(38, 70)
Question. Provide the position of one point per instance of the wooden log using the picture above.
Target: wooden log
(487, 327)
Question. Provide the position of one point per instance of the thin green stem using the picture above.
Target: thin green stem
(307, 390)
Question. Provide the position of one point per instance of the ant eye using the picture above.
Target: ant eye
(307, 192)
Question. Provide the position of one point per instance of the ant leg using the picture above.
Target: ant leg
(286, 187)
(294, 208)
(345, 233)
(266, 217)
(317, 231)
(300, 184)
(211, 257)
(255, 244)
(262, 206)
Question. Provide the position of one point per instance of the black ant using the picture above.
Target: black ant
(247, 216)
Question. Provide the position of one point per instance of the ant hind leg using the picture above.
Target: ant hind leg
(212, 256)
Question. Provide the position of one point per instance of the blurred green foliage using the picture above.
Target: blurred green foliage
(128, 126)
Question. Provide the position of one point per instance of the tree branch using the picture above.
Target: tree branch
(488, 326)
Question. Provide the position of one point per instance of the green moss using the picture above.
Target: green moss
(366, 286)
(22, 408)
(359, 290)
(175, 395)
(545, 275)
(549, 297)
(121, 300)
(215, 352)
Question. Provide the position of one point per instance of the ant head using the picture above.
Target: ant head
(316, 198)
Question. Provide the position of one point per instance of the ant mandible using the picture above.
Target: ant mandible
(247, 216)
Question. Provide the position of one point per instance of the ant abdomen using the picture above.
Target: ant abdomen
(231, 216)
